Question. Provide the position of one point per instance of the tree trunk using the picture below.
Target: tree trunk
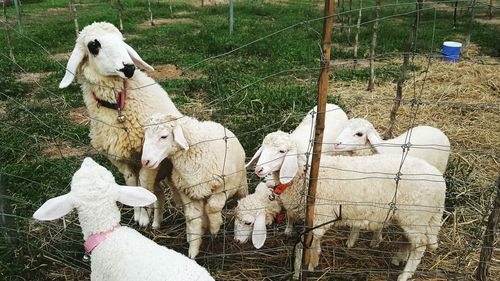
(410, 46)
(490, 10)
(17, 5)
(151, 22)
(72, 9)
(119, 7)
(489, 238)
(7, 32)
(349, 22)
(471, 24)
(356, 38)
(371, 82)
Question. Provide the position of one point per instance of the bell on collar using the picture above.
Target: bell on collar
(86, 257)
(121, 118)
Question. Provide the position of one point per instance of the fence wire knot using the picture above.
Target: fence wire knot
(392, 206)
(397, 178)
(416, 102)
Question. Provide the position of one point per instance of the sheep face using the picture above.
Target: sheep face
(101, 52)
(277, 153)
(357, 134)
(94, 193)
(163, 138)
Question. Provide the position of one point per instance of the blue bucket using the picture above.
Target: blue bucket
(451, 51)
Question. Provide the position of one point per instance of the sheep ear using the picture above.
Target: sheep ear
(135, 196)
(74, 61)
(259, 232)
(54, 208)
(137, 59)
(179, 137)
(289, 167)
(374, 139)
(255, 157)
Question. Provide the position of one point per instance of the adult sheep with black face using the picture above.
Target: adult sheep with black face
(119, 99)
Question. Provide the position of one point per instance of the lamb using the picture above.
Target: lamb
(253, 213)
(360, 189)
(208, 168)
(117, 252)
(303, 137)
(359, 137)
(119, 99)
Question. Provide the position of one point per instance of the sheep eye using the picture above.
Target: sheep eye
(94, 47)
(248, 222)
(282, 151)
(359, 134)
(164, 137)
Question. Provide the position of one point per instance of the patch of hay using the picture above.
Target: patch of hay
(79, 116)
(56, 11)
(32, 77)
(493, 21)
(197, 107)
(63, 149)
(170, 71)
(162, 21)
(61, 56)
(462, 99)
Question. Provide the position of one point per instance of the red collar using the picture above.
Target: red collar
(96, 239)
(280, 188)
(120, 105)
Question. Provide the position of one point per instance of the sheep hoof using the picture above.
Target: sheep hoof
(395, 261)
(214, 230)
(289, 231)
(375, 244)
(193, 253)
(155, 225)
(404, 276)
(143, 217)
(349, 244)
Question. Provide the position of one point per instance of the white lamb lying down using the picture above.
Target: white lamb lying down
(253, 213)
(117, 252)
(364, 186)
(208, 168)
(359, 137)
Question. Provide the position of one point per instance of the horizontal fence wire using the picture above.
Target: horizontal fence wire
(49, 247)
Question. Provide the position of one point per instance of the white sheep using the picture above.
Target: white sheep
(303, 137)
(208, 168)
(119, 99)
(253, 213)
(363, 188)
(117, 252)
(359, 137)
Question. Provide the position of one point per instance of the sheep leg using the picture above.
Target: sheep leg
(353, 236)
(147, 179)
(289, 224)
(213, 209)
(298, 261)
(414, 258)
(130, 179)
(316, 247)
(376, 238)
(193, 213)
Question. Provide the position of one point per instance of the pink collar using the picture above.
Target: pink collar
(96, 239)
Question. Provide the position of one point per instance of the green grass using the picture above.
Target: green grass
(249, 106)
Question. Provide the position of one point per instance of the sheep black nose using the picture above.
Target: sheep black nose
(128, 70)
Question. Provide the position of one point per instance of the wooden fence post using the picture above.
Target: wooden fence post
(371, 81)
(151, 22)
(356, 37)
(7, 32)
(231, 17)
(489, 238)
(320, 125)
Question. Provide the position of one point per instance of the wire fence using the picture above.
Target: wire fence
(464, 106)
